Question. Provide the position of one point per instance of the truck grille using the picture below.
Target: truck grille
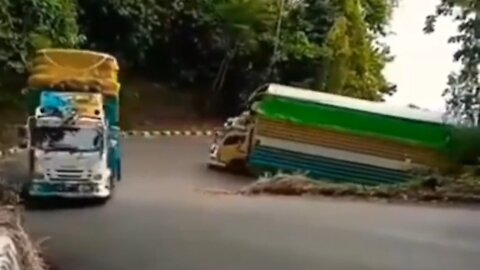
(72, 175)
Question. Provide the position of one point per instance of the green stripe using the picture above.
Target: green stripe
(414, 132)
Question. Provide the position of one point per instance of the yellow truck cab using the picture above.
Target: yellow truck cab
(230, 146)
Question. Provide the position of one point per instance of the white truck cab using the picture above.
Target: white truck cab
(69, 160)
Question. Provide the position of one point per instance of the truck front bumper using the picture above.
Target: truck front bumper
(213, 160)
(68, 189)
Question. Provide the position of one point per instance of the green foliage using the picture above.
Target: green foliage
(221, 47)
(126, 28)
(354, 63)
(242, 22)
(463, 92)
(377, 14)
(27, 25)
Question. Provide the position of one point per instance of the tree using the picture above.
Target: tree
(354, 64)
(243, 22)
(126, 28)
(463, 92)
(28, 25)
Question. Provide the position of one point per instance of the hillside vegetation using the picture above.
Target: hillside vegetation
(216, 51)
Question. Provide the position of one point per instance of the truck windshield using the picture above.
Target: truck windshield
(68, 139)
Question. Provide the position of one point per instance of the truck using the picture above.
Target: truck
(72, 133)
(230, 154)
(341, 139)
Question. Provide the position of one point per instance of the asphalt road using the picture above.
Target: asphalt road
(157, 220)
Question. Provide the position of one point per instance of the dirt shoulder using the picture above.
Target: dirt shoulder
(17, 247)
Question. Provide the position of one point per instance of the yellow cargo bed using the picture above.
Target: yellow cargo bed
(75, 70)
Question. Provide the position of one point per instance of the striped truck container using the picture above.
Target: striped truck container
(349, 140)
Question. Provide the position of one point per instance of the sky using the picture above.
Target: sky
(422, 62)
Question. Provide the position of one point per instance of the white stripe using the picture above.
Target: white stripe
(336, 154)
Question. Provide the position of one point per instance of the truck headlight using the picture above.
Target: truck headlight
(97, 177)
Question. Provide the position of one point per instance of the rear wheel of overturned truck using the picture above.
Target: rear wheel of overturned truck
(237, 166)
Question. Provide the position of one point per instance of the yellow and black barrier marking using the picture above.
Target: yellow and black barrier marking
(166, 133)
(9, 152)
(132, 133)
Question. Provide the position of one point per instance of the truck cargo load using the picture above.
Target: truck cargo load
(75, 70)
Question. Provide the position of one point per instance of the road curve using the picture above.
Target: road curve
(158, 221)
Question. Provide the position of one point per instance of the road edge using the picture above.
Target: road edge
(17, 250)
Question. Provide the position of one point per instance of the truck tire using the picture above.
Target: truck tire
(24, 194)
(113, 179)
(237, 166)
(31, 162)
(103, 201)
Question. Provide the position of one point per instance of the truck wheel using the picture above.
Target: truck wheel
(103, 201)
(24, 194)
(112, 183)
(31, 162)
(237, 166)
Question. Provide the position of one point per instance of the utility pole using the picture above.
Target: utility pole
(276, 44)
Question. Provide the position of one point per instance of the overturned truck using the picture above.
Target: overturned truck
(341, 139)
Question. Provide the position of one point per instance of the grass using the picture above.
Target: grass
(428, 187)
(11, 220)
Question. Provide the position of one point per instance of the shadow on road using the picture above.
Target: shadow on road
(235, 178)
(52, 204)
